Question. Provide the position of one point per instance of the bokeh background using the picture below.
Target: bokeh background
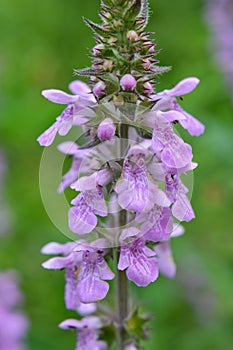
(40, 45)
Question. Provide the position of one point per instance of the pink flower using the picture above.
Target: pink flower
(106, 130)
(75, 103)
(128, 82)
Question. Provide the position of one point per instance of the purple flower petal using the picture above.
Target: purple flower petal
(85, 183)
(128, 234)
(91, 290)
(47, 138)
(138, 151)
(93, 199)
(78, 87)
(159, 224)
(142, 270)
(86, 309)
(176, 191)
(141, 265)
(87, 332)
(82, 217)
(184, 87)
(166, 100)
(160, 198)
(104, 271)
(104, 177)
(172, 116)
(175, 153)
(178, 230)
(194, 126)
(133, 187)
(71, 300)
(124, 260)
(58, 263)
(57, 248)
(81, 220)
(70, 324)
(69, 147)
(157, 171)
(65, 127)
(91, 322)
(71, 175)
(165, 260)
(182, 209)
(58, 96)
(93, 271)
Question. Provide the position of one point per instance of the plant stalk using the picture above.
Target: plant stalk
(122, 283)
(121, 306)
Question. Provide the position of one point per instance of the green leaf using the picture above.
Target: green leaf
(136, 325)
(96, 28)
(133, 11)
(161, 70)
(108, 334)
(107, 3)
(87, 72)
(92, 143)
(145, 11)
(143, 16)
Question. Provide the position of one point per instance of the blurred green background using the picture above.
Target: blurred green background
(40, 45)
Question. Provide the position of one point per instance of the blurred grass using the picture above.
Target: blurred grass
(41, 43)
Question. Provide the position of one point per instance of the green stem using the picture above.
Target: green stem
(122, 302)
(122, 306)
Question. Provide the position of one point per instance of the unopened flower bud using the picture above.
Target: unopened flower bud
(106, 130)
(130, 347)
(152, 49)
(112, 41)
(148, 88)
(146, 63)
(132, 35)
(97, 49)
(118, 99)
(118, 23)
(108, 15)
(123, 49)
(128, 82)
(108, 65)
(99, 89)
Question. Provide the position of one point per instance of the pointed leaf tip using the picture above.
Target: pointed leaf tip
(133, 11)
(96, 28)
(86, 72)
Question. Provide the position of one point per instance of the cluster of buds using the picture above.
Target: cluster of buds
(124, 56)
(127, 172)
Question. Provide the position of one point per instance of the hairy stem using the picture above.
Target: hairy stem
(122, 307)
